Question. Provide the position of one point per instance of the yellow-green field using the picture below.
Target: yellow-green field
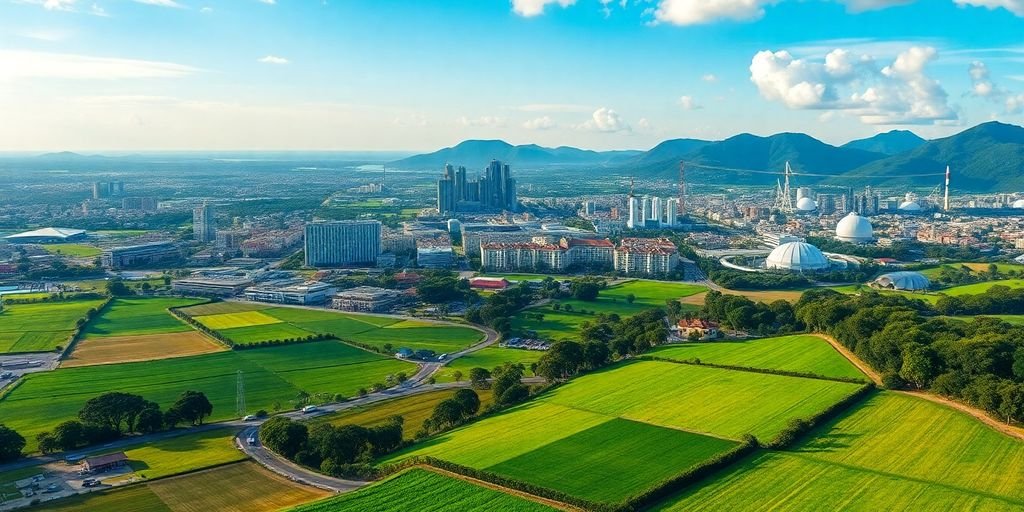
(233, 320)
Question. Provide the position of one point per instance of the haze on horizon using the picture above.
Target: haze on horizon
(137, 75)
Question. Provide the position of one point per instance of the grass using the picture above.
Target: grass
(612, 473)
(184, 454)
(766, 296)
(123, 349)
(414, 409)
(424, 491)
(127, 317)
(488, 358)
(895, 452)
(558, 325)
(976, 288)
(247, 326)
(216, 308)
(272, 375)
(799, 353)
(241, 487)
(41, 327)
(1010, 319)
(73, 250)
(977, 268)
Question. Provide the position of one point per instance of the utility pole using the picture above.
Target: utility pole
(783, 197)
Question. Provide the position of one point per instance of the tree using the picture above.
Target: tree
(11, 444)
(478, 378)
(115, 410)
(562, 360)
(587, 288)
(284, 436)
(457, 375)
(1011, 401)
(514, 394)
(446, 414)
(117, 288)
(150, 420)
(68, 435)
(469, 400)
(630, 298)
(506, 376)
(193, 406)
(918, 365)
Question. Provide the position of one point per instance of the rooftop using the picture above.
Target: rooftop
(48, 232)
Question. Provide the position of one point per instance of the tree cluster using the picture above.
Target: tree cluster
(442, 286)
(743, 314)
(498, 308)
(737, 280)
(587, 288)
(997, 300)
(11, 444)
(331, 448)
(451, 412)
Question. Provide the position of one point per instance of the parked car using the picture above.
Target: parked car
(90, 482)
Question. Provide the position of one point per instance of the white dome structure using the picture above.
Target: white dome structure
(797, 256)
(1018, 203)
(854, 228)
(909, 206)
(806, 204)
(908, 281)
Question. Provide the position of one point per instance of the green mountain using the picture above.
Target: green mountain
(890, 143)
(476, 154)
(986, 158)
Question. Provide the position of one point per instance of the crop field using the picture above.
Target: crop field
(976, 288)
(894, 452)
(241, 487)
(41, 327)
(272, 375)
(668, 405)
(127, 317)
(123, 349)
(415, 409)
(565, 324)
(270, 323)
(976, 268)
(488, 358)
(424, 491)
(799, 353)
(216, 308)
(766, 296)
(184, 454)
(73, 250)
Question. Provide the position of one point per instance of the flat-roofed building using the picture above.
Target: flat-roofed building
(366, 298)
(342, 243)
(311, 292)
(140, 255)
(226, 286)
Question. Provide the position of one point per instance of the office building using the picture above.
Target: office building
(102, 190)
(142, 204)
(139, 255)
(494, 191)
(366, 298)
(302, 294)
(342, 243)
(826, 204)
(204, 224)
(211, 286)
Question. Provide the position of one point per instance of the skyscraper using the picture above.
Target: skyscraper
(495, 190)
(342, 243)
(204, 224)
(446, 188)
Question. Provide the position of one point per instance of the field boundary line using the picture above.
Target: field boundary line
(522, 494)
(173, 311)
(852, 358)
(76, 334)
(751, 369)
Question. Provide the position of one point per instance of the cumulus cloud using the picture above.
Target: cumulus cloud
(710, 78)
(1015, 104)
(605, 119)
(872, 5)
(274, 59)
(488, 121)
(695, 12)
(1014, 6)
(900, 93)
(529, 8)
(22, 64)
(981, 81)
(688, 103)
(539, 123)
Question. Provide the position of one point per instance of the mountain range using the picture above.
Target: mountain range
(988, 157)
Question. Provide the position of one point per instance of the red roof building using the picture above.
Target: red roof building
(489, 283)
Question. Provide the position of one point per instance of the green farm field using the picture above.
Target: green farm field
(184, 454)
(799, 353)
(414, 409)
(272, 375)
(41, 327)
(893, 452)
(976, 268)
(129, 317)
(424, 491)
(253, 326)
(562, 324)
(489, 358)
(1010, 319)
(73, 250)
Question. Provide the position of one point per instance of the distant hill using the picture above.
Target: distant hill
(767, 154)
(667, 154)
(986, 158)
(888, 143)
(476, 154)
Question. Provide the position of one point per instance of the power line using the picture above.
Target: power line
(795, 173)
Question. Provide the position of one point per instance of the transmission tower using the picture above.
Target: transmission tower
(240, 395)
(682, 190)
(783, 197)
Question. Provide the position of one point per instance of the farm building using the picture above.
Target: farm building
(703, 329)
(102, 463)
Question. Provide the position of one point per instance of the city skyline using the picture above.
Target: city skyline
(597, 74)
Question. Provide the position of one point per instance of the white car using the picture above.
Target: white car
(309, 408)
(249, 417)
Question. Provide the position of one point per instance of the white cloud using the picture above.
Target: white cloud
(688, 103)
(981, 81)
(1014, 6)
(710, 78)
(605, 119)
(487, 121)
(540, 123)
(23, 64)
(1015, 104)
(206, 10)
(695, 12)
(554, 107)
(54, 5)
(530, 8)
(872, 5)
(268, 2)
(47, 35)
(273, 59)
(98, 10)
(644, 124)
(900, 93)
(161, 3)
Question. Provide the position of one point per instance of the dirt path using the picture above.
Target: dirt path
(980, 415)
(525, 495)
(850, 356)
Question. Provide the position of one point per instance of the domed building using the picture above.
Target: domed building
(1018, 203)
(855, 229)
(907, 281)
(797, 256)
(910, 204)
(806, 204)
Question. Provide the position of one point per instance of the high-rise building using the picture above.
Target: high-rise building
(495, 190)
(204, 224)
(446, 187)
(826, 204)
(342, 243)
(671, 212)
(589, 208)
(636, 220)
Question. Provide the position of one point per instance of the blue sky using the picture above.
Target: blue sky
(94, 75)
